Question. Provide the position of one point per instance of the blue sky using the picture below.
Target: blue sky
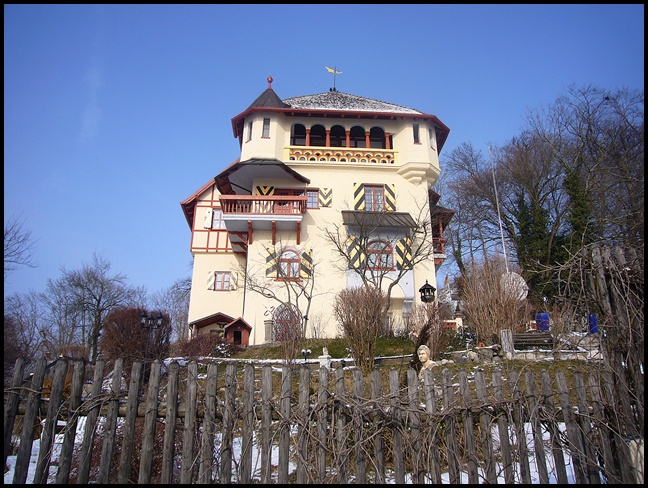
(114, 114)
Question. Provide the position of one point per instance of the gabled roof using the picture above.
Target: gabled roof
(219, 318)
(241, 173)
(188, 205)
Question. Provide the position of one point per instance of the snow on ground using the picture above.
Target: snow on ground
(11, 460)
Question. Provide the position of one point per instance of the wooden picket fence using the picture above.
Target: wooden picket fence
(234, 422)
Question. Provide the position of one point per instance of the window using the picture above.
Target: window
(313, 199)
(415, 127)
(380, 256)
(217, 219)
(318, 135)
(298, 136)
(289, 263)
(249, 137)
(222, 280)
(431, 129)
(266, 128)
(374, 198)
(287, 323)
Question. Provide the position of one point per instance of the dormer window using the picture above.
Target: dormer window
(266, 128)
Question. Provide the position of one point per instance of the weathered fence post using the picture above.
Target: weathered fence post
(266, 418)
(536, 426)
(11, 405)
(150, 421)
(91, 422)
(396, 426)
(206, 468)
(129, 424)
(110, 424)
(188, 452)
(29, 424)
(469, 429)
(284, 428)
(49, 427)
(65, 459)
(168, 449)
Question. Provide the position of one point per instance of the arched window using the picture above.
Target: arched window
(298, 136)
(380, 256)
(287, 323)
(289, 262)
(377, 138)
(357, 136)
(338, 136)
(318, 135)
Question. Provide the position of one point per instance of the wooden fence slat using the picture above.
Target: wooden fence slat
(12, 401)
(502, 428)
(29, 424)
(129, 424)
(247, 434)
(341, 429)
(469, 430)
(414, 419)
(609, 469)
(322, 424)
(451, 429)
(358, 428)
(585, 423)
(51, 421)
(188, 451)
(266, 426)
(110, 425)
(304, 424)
(379, 449)
(434, 463)
(284, 429)
(206, 471)
(396, 426)
(168, 449)
(150, 422)
(520, 430)
(536, 426)
(67, 449)
(618, 425)
(573, 431)
(85, 457)
(486, 425)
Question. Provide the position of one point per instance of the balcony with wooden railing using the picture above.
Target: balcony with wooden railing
(251, 205)
(243, 214)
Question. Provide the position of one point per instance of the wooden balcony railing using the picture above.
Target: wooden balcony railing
(268, 205)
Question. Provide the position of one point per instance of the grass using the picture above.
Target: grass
(337, 348)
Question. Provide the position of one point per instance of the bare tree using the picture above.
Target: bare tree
(292, 289)
(29, 316)
(361, 313)
(92, 292)
(18, 246)
(174, 300)
(489, 304)
(367, 242)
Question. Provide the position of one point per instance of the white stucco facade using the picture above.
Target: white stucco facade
(305, 161)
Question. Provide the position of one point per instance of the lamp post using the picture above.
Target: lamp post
(427, 293)
(305, 353)
(149, 323)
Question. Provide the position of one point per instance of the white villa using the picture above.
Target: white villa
(312, 167)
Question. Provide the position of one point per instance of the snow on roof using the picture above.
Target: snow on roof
(335, 100)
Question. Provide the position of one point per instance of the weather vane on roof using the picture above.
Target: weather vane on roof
(335, 72)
